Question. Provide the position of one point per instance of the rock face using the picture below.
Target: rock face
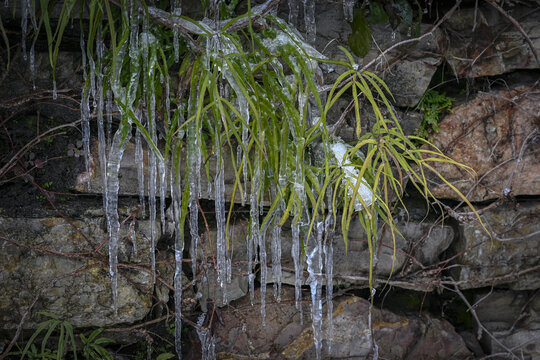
(499, 309)
(511, 257)
(485, 43)
(50, 253)
(497, 135)
(397, 337)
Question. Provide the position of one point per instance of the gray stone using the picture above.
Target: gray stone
(37, 252)
(511, 256)
(495, 46)
(513, 318)
(421, 240)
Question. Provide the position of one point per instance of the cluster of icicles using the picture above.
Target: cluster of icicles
(111, 148)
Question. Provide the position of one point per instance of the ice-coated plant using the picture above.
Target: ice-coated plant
(250, 88)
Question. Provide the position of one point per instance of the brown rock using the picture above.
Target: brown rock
(497, 135)
(283, 337)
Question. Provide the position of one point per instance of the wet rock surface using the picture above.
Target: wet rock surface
(397, 337)
(497, 135)
(51, 256)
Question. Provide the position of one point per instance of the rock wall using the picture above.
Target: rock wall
(53, 254)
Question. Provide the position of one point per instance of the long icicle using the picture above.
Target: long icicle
(120, 140)
(178, 251)
(314, 263)
(221, 240)
(329, 269)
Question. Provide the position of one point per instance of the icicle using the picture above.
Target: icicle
(92, 80)
(314, 267)
(208, 341)
(221, 241)
(162, 190)
(294, 8)
(85, 120)
(194, 165)
(32, 62)
(152, 208)
(139, 159)
(295, 253)
(177, 11)
(102, 145)
(276, 249)
(24, 27)
(348, 9)
(109, 109)
(262, 258)
(254, 237)
(329, 269)
(113, 225)
(309, 20)
(178, 250)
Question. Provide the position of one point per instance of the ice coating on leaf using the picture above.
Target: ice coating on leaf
(162, 190)
(292, 38)
(109, 109)
(348, 9)
(139, 159)
(309, 20)
(314, 268)
(351, 176)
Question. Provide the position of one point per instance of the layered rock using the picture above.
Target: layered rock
(52, 258)
(496, 135)
(397, 337)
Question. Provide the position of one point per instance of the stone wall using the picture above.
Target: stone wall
(53, 255)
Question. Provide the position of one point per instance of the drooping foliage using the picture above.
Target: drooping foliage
(250, 90)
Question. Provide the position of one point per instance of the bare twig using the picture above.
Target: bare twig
(518, 26)
(417, 39)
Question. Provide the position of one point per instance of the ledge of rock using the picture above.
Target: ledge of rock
(511, 257)
(49, 254)
(497, 135)
(485, 43)
(397, 337)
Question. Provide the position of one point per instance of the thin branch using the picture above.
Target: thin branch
(518, 26)
(207, 27)
(409, 41)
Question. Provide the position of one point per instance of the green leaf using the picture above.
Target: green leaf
(377, 15)
(165, 356)
(360, 39)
